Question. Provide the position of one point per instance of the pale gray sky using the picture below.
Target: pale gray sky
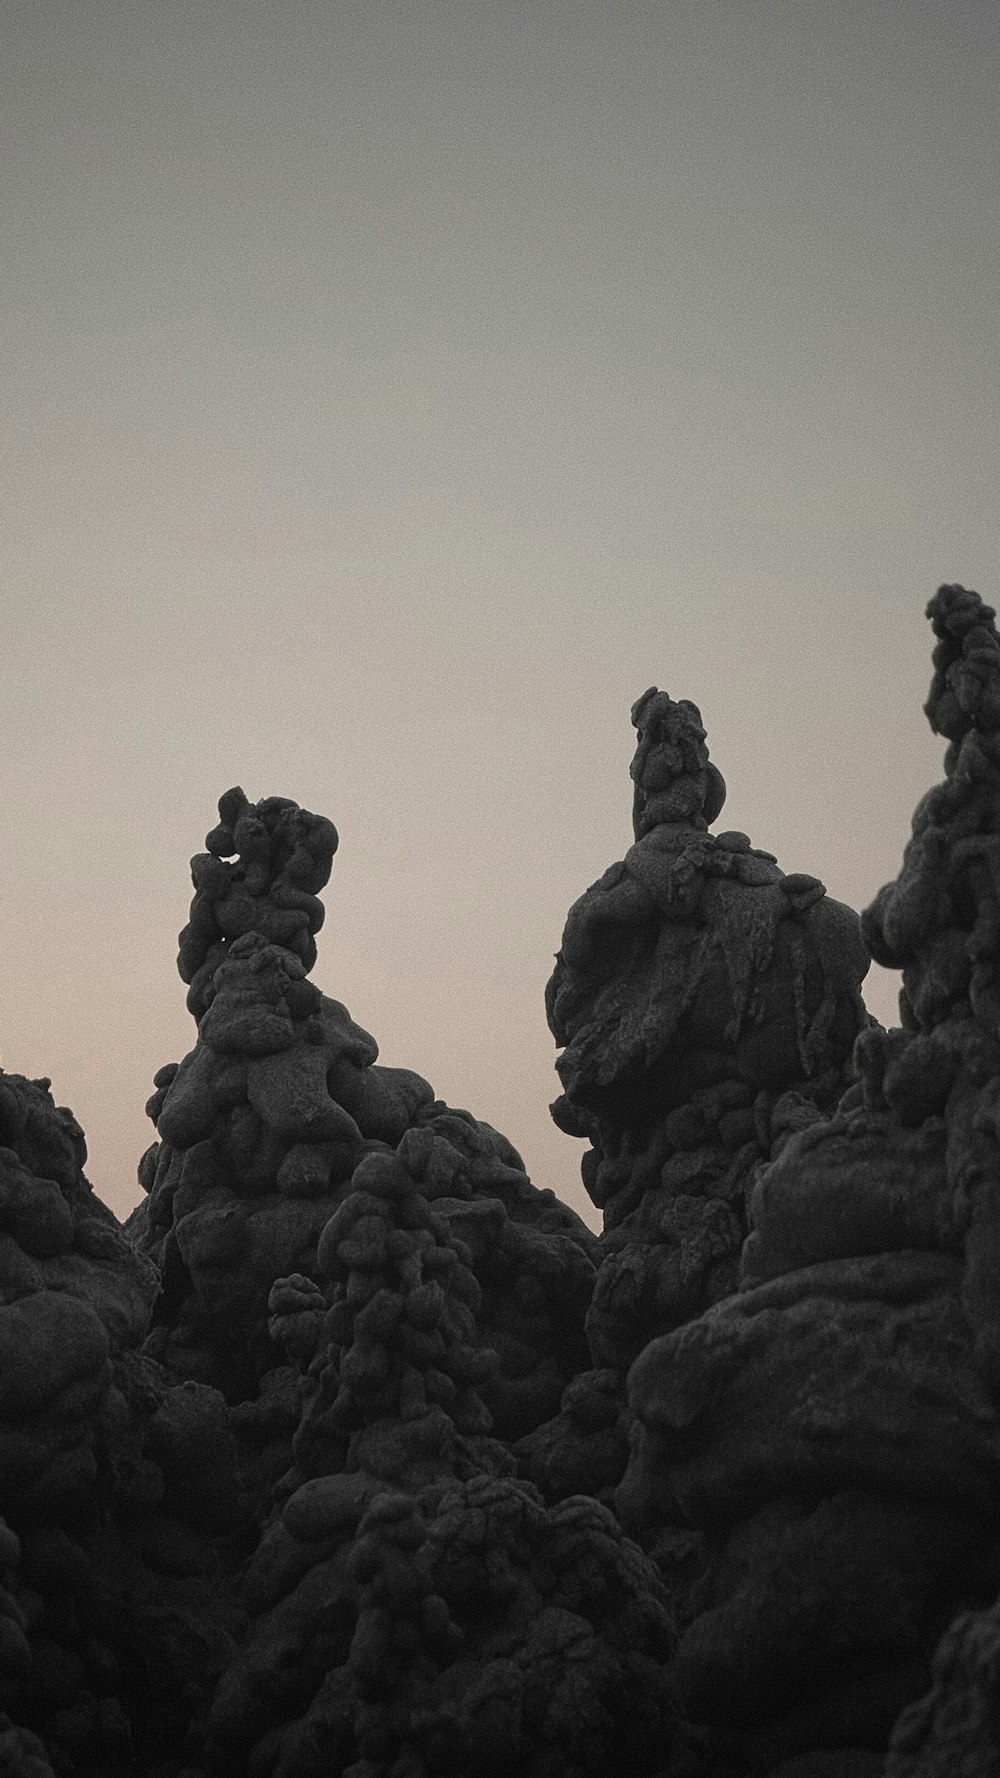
(391, 393)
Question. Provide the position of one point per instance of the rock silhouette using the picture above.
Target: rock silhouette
(263, 1125)
(831, 1430)
(703, 998)
(327, 1462)
(417, 1606)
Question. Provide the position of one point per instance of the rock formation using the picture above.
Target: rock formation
(830, 1434)
(317, 1468)
(417, 1609)
(954, 1731)
(262, 1126)
(74, 1303)
(704, 1000)
(113, 1483)
(137, 1460)
(696, 985)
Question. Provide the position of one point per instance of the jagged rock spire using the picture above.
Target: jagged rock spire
(674, 778)
(965, 690)
(940, 920)
(436, 1615)
(831, 1430)
(281, 857)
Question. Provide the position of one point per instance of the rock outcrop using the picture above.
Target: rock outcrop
(318, 1467)
(417, 1608)
(74, 1304)
(954, 1731)
(147, 1409)
(113, 1482)
(694, 987)
(704, 1000)
(696, 983)
(263, 1125)
(830, 1434)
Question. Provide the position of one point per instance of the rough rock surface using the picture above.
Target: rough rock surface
(695, 984)
(137, 1460)
(317, 1468)
(416, 1607)
(261, 1129)
(830, 1434)
(110, 1477)
(696, 989)
(954, 1732)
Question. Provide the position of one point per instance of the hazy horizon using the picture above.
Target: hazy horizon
(392, 394)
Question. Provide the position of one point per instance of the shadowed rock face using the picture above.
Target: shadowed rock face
(954, 1731)
(696, 984)
(112, 1483)
(73, 1296)
(831, 1432)
(262, 873)
(416, 1608)
(704, 1000)
(134, 1491)
(262, 1126)
(693, 964)
(320, 1472)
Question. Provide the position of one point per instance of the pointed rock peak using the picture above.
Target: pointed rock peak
(937, 920)
(965, 689)
(265, 865)
(675, 781)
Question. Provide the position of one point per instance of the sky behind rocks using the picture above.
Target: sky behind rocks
(391, 394)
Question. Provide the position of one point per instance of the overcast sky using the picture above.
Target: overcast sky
(392, 392)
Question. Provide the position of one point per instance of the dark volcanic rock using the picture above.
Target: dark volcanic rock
(75, 1301)
(694, 978)
(832, 1431)
(954, 1732)
(418, 1609)
(262, 1128)
(318, 1469)
(696, 986)
(262, 873)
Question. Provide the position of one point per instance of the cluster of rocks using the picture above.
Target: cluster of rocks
(113, 1484)
(148, 1410)
(703, 1000)
(355, 1452)
(263, 1127)
(829, 1434)
(416, 1608)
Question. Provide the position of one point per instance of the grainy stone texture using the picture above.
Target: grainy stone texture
(261, 1129)
(695, 984)
(954, 1731)
(703, 1000)
(146, 1409)
(318, 1468)
(111, 1479)
(830, 1434)
(417, 1608)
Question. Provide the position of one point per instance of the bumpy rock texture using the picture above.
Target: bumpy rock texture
(327, 1464)
(263, 1125)
(416, 1606)
(830, 1433)
(705, 1001)
(74, 1303)
(696, 985)
(112, 1482)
